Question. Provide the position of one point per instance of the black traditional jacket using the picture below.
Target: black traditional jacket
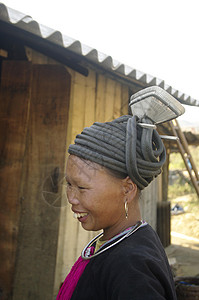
(135, 269)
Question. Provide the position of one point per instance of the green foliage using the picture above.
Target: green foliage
(180, 187)
(195, 154)
(177, 163)
(192, 205)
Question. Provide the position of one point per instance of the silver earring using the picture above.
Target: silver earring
(126, 209)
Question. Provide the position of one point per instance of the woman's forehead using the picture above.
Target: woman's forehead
(75, 161)
(79, 168)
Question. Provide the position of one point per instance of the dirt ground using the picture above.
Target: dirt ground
(183, 253)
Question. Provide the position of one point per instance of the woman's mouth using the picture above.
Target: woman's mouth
(80, 216)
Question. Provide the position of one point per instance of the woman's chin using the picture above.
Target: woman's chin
(89, 227)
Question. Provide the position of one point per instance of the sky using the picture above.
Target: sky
(157, 37)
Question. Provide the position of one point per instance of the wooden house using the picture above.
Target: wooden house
(51, 87)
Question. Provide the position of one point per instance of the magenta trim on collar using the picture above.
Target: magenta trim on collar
(69, 285)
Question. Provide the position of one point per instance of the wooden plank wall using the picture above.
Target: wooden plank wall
(148, 202)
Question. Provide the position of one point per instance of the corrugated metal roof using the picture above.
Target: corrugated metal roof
(26, 23)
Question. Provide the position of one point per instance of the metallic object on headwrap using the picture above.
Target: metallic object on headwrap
(155, 103)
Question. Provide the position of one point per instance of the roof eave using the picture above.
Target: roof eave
(74, 54)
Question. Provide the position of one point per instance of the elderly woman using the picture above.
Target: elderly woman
(109, 164)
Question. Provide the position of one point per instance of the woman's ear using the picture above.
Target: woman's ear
(129, 188)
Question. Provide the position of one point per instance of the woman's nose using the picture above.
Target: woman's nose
(72, 196)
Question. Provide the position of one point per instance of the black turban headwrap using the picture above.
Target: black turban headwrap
(123, 145)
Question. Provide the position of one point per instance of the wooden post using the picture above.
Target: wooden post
(163, 206)
(14, 110)
(44, 159)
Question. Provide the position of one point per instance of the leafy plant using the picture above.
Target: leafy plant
(182, 187)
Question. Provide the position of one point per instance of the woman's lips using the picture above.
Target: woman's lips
(80, 216)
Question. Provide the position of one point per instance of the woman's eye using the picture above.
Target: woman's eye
(81, 187)
(69, 185)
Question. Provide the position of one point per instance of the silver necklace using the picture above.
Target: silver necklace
(85, 254)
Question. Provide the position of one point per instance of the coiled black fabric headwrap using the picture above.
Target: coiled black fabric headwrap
(122, 145)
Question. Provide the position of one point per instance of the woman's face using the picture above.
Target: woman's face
(97, 198)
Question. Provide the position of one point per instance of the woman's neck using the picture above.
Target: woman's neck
(113, 231)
